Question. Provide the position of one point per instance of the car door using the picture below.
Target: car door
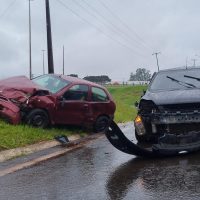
(99, 102)
(73, 106)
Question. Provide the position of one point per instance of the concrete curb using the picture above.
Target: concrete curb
(12, 153)
(76, 142)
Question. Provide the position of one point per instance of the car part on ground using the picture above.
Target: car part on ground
(171, 105)
(168, 145)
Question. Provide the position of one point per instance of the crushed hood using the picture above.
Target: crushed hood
(173, 97)
(19, 88)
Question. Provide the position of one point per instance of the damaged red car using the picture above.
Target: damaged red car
(55, 99)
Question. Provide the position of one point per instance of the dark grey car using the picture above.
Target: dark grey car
(171, 105)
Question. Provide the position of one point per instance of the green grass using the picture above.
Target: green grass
(125, 98)
(21, 135)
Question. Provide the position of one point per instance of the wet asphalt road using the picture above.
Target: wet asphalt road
(98, 171)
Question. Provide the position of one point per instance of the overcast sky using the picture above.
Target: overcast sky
(101, 37)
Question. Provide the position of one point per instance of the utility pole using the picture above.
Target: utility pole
(49, 40)
(156, 54)
(194, 62)
(186, 64)
(43, 61)
(63, 59)
(30, 56)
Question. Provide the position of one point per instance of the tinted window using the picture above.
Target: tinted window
(77, 92)
(99, 95)
(52, 83)
(176, 79)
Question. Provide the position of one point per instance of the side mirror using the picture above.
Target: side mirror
(60, 98)
(144, 91)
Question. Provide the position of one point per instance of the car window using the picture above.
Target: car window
(77, 92)
(52, 83)
(99, 95)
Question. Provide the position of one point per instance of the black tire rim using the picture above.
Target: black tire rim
(102, 125)
(38, 120)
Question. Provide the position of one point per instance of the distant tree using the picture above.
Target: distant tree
(73, 75)
(98, 79)
(141, 74)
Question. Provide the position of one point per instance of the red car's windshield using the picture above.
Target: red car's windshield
(51, 82)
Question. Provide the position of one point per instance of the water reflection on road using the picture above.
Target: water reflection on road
(172, 178)
(99, 171)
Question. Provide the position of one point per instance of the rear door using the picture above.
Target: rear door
(99, 102)
(73, 107)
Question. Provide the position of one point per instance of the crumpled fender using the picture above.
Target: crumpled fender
(9, 111)
(122, 143)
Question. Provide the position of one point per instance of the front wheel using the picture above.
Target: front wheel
(101, 124)
(38, 118)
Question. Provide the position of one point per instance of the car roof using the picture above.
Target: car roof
(76, 80)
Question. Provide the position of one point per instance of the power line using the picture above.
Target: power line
(109, 23)
(124, 24)
(97, 28)
(9, 6)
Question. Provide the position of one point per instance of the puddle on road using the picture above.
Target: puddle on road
(169, 178)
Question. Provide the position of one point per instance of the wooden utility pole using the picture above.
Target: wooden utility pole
(49, 40)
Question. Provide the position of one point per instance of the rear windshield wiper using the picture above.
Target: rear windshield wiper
(192, 77)
(188, 85)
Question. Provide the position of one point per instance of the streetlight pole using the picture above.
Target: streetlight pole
(30, 56)
(49, 40)
(156, 54)
(194, 62)
(43, 60)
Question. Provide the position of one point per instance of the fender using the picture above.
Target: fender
(117, 138)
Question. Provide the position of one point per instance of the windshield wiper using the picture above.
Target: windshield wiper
(188, 85)
(192, 77)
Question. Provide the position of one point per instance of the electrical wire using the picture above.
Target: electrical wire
(124, 24)
(97, 28)
(9, 6)
(117, 29)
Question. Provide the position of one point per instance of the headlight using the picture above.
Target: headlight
(139, 126)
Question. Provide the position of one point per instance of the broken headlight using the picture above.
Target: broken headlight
(147, 106)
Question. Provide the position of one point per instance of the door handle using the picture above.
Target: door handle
(86, 106)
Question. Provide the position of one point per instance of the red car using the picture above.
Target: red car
(55, 99)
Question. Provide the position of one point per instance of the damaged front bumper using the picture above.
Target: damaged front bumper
(9, 111)
(168, 145)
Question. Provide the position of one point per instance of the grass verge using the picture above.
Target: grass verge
(22, 135)
(125, 98)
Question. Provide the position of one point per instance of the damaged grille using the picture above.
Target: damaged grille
(182, 108)
(177, 119)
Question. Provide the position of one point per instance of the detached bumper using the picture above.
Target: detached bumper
(169, 145)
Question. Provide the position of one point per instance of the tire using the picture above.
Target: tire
(38, 118)
(101, 124)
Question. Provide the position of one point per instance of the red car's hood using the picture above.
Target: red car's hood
(18, 88)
